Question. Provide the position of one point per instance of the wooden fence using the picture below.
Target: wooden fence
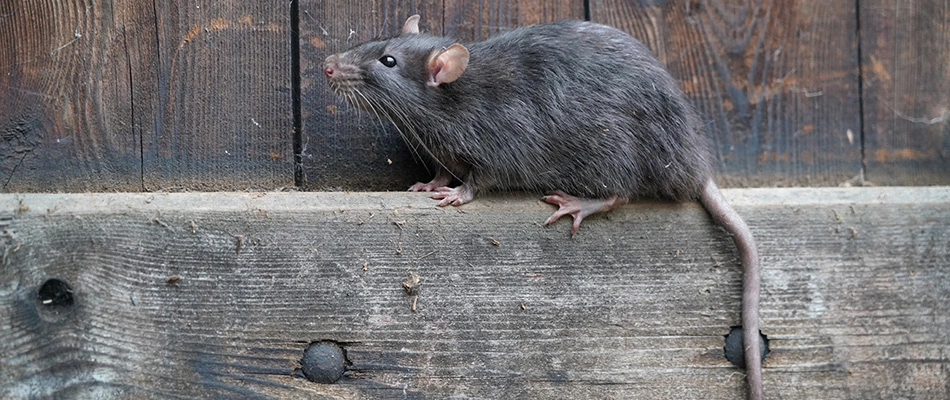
(225, 95)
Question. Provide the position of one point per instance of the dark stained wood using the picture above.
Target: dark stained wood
(477, 20)
(104, 97)
(198, 94)
(65, 99)
(855, 296)
(777, 81)
(905, 48)
(222, 114)
(342, 147)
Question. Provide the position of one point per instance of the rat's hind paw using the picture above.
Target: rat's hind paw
(578, 207)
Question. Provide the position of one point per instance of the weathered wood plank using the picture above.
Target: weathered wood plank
(343, 148)
(478, 20)
(205, 84)
(66, 99)
(220, 115)
(777, 81)
(855, 296)
(906, 91)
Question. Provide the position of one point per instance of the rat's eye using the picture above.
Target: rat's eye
(388, 61)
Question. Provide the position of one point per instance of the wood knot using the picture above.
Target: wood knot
(54, 300)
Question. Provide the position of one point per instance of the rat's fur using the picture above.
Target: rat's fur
(594, 118)
(572, 106)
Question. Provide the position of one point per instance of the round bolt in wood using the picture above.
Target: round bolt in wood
(735, 351)
(323, 362)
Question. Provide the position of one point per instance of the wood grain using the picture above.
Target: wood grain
(855, 296)
(65, 99)
(343, 148)
(777, 81)
(906, 91)
(220, 114)
(105, 97)
(478, 20)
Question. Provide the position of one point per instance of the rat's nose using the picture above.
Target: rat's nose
(330, 65)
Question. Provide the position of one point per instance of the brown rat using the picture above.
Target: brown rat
(579, 110)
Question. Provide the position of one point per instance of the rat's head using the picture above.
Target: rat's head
(410, 67)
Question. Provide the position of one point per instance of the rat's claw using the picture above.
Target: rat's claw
(421, 187)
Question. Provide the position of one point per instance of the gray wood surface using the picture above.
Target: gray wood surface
(167, 304)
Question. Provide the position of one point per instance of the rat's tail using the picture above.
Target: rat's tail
(728, 218)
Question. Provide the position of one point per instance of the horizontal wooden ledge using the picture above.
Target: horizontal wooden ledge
(83, 203)
(152, 295)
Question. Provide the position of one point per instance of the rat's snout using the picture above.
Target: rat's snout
(331, 65)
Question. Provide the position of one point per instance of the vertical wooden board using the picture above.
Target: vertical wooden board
(905, 48)
(223, 119)
(477, 20)
(65, 99)
(776, 81)
(342, 147)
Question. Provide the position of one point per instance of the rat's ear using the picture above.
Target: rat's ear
(447, 65)
(412, 25)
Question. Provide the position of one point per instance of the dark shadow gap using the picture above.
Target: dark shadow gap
(295, 91)
(861, 132)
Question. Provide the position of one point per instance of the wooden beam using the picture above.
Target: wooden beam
(220, 294)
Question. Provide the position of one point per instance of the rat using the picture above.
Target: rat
(581, 111)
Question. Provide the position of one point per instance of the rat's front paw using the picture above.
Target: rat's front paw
(454, 196)
(441, 179)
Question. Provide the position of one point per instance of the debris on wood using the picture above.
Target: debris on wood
(412, 284)
(240, 242)
(159, 222)
(495, 241)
